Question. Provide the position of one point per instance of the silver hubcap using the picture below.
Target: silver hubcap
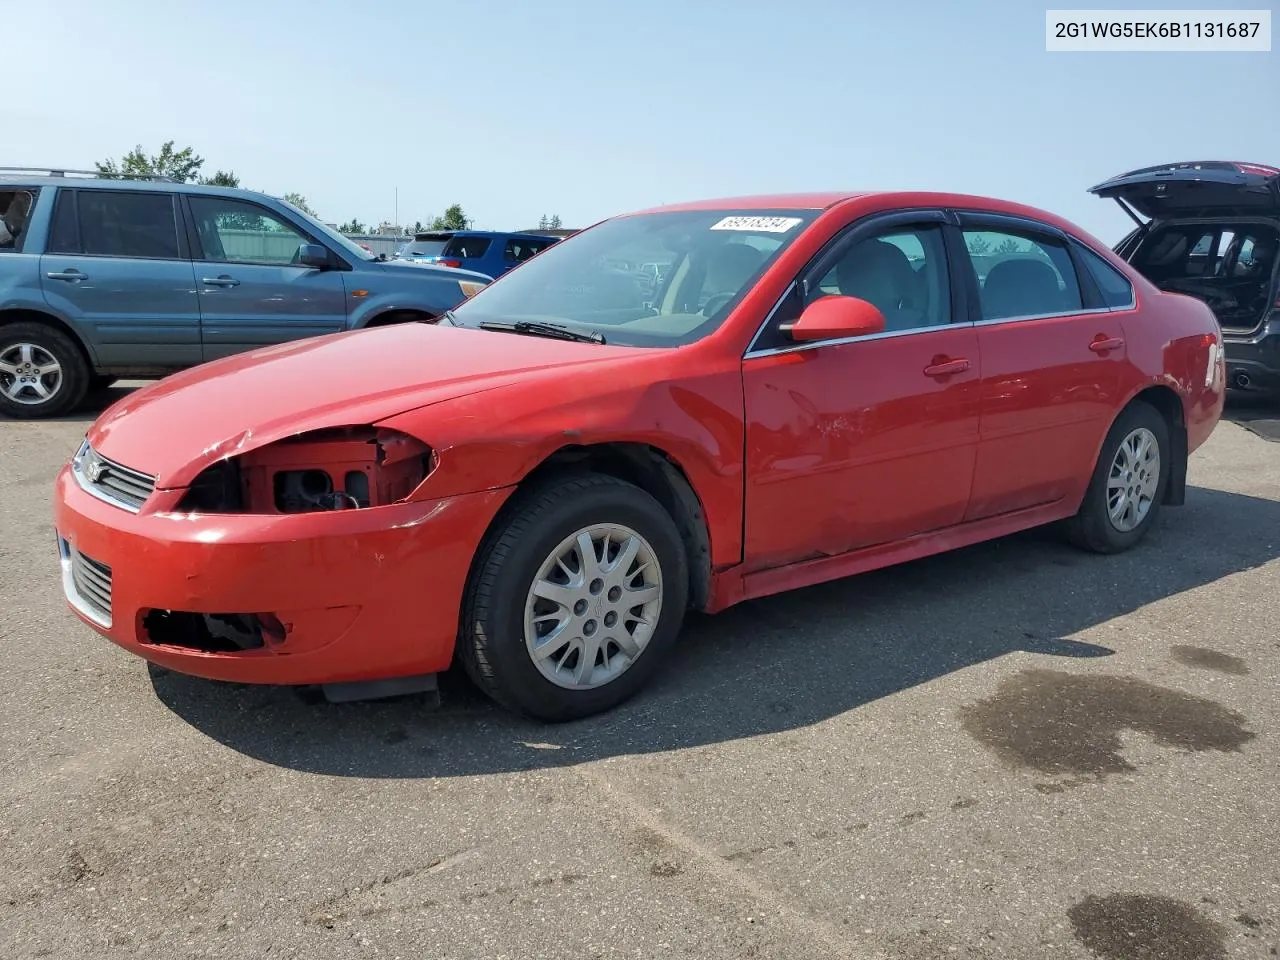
(29, 374)
(593, 606)
(1131, 486)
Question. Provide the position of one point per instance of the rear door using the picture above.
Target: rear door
(1197, 189)
(1054, 364)
(116, 262)
(252, 291)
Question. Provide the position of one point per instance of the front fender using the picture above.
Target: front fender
(495, 439)
(427, 293)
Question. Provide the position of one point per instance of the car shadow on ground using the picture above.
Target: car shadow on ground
(1258, 413)
(771, 665)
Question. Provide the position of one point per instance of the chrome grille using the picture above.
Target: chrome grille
(111, 481)
(92, 580)
(86, 582)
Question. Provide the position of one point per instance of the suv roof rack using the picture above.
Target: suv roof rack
(67, 172)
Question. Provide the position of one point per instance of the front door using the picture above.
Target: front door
(1054, 366)
(252, 292)
(116, 264)
(867, 440)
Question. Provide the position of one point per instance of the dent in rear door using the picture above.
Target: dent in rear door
(251, 292)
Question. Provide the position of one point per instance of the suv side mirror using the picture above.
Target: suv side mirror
(313, 255)
(837, 317)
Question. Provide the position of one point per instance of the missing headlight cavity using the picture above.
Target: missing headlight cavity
(340, 469)
(211, 632)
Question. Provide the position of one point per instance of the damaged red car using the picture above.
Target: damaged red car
(543, 483)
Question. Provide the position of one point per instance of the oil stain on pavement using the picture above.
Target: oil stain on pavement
(1143, 927)
(1209, 660)
(1061, 723)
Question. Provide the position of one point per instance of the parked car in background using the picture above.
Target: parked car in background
(483, 251)
(1212, 231)
(104, 278)
(549, 478)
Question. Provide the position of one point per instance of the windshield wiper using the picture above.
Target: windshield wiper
(552, 330)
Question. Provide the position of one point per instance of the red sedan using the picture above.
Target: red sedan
(544, 482)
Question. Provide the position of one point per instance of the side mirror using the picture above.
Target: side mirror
(837, 317)
(313, 255)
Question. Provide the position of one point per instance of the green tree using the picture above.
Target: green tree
(544, 222)
(221, 178)
(978, 245)
(452, 219)
(1008, 245)
(352, 226)
(555, 222)
(181, 165)
(299, 201)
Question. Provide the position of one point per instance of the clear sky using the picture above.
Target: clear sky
(516, 108)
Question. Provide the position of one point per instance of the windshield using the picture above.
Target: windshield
(344, 244)
(650, 280)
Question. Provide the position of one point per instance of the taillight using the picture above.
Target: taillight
(449, 262)
(1259, 168)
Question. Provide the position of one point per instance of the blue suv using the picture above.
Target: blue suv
(103, 278)
(484, 251)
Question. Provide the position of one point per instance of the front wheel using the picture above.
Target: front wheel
(1128, 483)
(576, 600)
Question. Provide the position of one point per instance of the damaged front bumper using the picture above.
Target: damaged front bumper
(330, 597)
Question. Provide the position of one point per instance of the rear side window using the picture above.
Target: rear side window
(518, 250)
(116, 223)
(1022, 275)
(467, 248)
(64, 236)
(1117, 291)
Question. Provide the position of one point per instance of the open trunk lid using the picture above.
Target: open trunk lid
(1207, 188)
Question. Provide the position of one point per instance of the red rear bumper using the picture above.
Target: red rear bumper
(364, 594)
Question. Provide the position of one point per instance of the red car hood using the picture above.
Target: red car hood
(172, 429)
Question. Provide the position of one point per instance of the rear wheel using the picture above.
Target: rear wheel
(576, 601)
(42, 372)
(1128, 483)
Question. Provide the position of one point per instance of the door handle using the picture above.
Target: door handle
(223, 281)
(944, 368)
(1103, 344)
(72, 275)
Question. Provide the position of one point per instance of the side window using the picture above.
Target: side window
(1022, 275)
(519, 250)
(15, 208)
(467, 248)
(234, 231)
(903, 272)
(1117, 291)
(117, 223)
(64, 232)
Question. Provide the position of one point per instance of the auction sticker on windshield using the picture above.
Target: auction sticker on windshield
(759, 224)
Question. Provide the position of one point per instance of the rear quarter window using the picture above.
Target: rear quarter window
(467, 248)
(1116, 290)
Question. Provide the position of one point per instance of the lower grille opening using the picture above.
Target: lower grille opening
(212, 632)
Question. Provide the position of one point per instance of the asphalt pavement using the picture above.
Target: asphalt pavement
(1017, 750)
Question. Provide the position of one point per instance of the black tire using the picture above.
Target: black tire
(491, 642)
(99, 383)
(1092, 528)
(75, 371)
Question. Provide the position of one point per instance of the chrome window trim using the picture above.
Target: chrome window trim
(775, 351)
(886, 335)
